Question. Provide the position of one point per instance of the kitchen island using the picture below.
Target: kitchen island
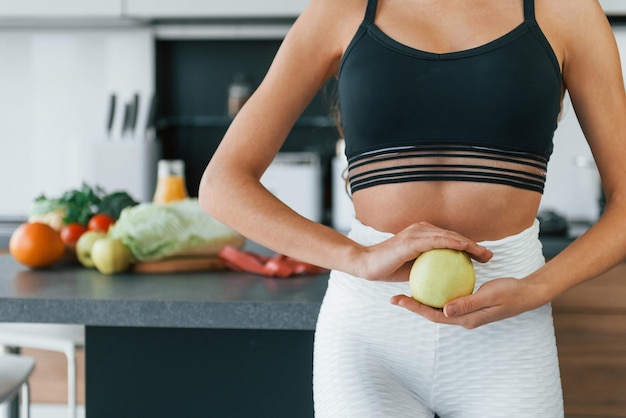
(229, 344)
(223, 344)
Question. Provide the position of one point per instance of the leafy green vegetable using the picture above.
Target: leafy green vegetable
(114, 203)
(155, 231)
(81, 204)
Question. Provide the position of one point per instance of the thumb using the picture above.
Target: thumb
(462, 306)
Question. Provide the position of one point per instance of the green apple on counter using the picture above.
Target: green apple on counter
(84, 246)
(440, 275)
(111, 255)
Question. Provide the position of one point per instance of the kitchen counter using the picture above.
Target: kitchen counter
(221, 344)
(222, 299)
(7, 226)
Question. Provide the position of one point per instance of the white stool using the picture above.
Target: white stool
(14, 373)
(53, 337)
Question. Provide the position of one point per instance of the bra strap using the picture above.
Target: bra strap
(529, 10)
(370, 12)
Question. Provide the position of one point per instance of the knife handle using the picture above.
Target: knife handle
(134, 113)
(126, 120)
(151, 119)
(111, 118)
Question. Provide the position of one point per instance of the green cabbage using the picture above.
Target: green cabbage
(156, 231)
(48, 211)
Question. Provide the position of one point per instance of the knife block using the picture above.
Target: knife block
(126, 166)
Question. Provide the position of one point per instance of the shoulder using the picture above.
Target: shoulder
(573, 26)
(335, 17)
(569, 9)
(326, 27)
(337, 11)
(334, 21)
(570, 19)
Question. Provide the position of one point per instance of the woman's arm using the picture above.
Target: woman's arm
(593, 75)
(230, 189)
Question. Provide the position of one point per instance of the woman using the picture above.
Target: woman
(448, 110)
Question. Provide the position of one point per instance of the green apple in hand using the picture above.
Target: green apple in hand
(84, 246)
(440, 275)
(111, 255)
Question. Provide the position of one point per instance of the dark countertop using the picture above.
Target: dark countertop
(7, 226)
(228, 300)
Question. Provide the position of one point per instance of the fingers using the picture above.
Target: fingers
(465, 312)
(463, 305)
(478, 252)
(491, 295)
(424, 236)
(495, 300)
(412, 305)
(391, 259)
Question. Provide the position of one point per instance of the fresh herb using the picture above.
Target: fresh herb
(81, 204)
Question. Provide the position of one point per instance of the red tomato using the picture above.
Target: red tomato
(71, 232)
(100, 222)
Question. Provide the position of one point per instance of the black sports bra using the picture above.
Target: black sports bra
(485, 114)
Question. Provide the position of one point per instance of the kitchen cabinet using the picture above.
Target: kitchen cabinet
(590, 326)
(163, 9)
(61, 8)
(192, 84)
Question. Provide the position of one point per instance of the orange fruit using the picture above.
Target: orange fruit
(36, 245)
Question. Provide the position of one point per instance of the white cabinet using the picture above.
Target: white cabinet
(163, 9)
(30, 9)
(149, 9)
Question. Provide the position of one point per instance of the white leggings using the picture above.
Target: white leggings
(374, 359)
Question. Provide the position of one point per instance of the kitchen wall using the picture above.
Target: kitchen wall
(55, 86)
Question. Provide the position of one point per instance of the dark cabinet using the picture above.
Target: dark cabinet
(193, 79)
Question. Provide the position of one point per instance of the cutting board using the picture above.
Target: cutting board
(179, 265)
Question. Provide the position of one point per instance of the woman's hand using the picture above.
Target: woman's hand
(493, 301)
(391, 260)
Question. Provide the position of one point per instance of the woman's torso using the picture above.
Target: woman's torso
(477, 209)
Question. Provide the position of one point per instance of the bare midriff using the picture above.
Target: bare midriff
(479, 211)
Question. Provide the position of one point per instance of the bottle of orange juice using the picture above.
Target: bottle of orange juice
(170, 185)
